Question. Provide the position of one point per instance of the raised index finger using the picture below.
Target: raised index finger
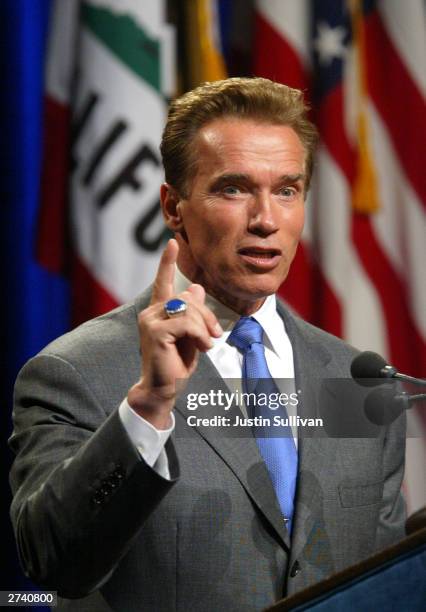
(164, 283)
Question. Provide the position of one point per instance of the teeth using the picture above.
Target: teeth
(256, 252)
(263, 254)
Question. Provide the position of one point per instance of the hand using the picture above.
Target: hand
(170, 346)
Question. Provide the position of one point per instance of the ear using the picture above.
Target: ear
(170, 201)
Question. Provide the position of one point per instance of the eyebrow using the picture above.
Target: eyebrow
(230, 178)
(245, 178)
(293, 178)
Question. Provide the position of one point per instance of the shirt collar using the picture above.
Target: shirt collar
(267, 314)
(271, 322)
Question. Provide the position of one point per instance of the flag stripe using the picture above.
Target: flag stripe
(398, 101)
(406, 347)
(335, 138)
(403, 24)
(339, 259)
(297, 288)
(52, 237)
(203, 50)
(307, 291)
(127, 41)
(89, 297)
(290, 21)
(277, 60)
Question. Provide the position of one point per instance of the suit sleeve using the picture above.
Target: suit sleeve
(391, 525)
(81, 489)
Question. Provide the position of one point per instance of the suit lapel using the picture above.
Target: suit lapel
(312, 363)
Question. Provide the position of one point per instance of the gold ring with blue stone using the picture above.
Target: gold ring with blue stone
(175, 307)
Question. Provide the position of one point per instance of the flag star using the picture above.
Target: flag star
(329, 43)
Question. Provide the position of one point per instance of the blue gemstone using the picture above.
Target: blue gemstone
(175, 305)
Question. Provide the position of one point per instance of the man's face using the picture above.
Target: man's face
(243, 218)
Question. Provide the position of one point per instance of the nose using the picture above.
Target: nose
(263, 219)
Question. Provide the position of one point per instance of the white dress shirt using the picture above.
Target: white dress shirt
(228, 361)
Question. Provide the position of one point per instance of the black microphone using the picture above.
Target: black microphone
(382, 406)
(368, 366)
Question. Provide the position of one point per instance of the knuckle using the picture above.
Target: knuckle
(154, 327)
(142, 318)
(186, 296)
(146, 314)
(196, 317)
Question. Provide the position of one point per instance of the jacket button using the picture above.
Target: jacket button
(295, 569)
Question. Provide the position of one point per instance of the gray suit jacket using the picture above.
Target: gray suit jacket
(94, 521)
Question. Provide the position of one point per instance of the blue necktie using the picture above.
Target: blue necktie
(278, 451)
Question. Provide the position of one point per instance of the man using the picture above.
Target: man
(124, 503)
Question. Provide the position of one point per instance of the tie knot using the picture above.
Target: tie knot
(247, 331)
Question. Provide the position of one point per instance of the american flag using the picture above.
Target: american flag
(359, 272)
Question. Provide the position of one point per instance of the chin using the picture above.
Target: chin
(257, 289)
(264, 284)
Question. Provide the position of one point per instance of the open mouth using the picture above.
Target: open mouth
(260, 253)
(260, 257)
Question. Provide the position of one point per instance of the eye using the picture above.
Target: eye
(231, 190)
(288, 192)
